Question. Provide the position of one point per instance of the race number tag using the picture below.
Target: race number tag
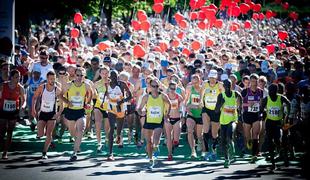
(47, 106)
(9, 105)
(195, 99)
(77, 101)
(254, 108)
(174, 104)
(155, 112)
(274, 111)
(230, 110)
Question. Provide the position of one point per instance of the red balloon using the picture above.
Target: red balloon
(282, 45)
(193, 15)
(257, 8)
(210, 13)
(261, 16)
(135, 25)
(163, 46)
(293, 15)
(269, 14)
(78, 18)
(209, 43)
(270, 48)
(178, 17)
(181, 35)
(157, 49)
(141, 15)
(213, 6)
(145, 25)
(158, 8)
(277, 1)
(75, 33)
(234, 11)
(196, 45)
(195, 4)
(175, 43)
(103, 46)
(282, 35)
(186, 51)
(247, 1)
(255, 16)
(247, 24)
(244, 8)
(201, 15)
(138, 51)
(251, 4)
(158, 1)
(218, 23)
(183, 24)
(201, 25)
(285, 5)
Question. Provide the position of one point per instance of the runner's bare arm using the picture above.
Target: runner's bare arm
(143, 103)
(89, 93)
(167, 101)
(64, 91)
(22, 96)
(239, 101)
(37, 93)
(219, 103)
(128, 92)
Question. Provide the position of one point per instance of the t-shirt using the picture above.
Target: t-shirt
(44, 69)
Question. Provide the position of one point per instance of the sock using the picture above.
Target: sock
(205, 140)
(255, 147)
(214, 143)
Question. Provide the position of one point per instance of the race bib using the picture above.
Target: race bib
(195, 99)
(101, 97)
(33, 89)
(174, 104)
(9, 105)
(274, 111)
(47, 106)
(229, 110)
(77, 101)
(155, 112)
(254, 108)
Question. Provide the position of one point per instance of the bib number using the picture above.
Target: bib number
(155, 112)
(77, 101)
(274, 111)
(195, 99)
(254, 108)
(47, 106)
(174, 104)
(9, 106)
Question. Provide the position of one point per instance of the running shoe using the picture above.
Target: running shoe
(140, 144)
(99, 148)
(226, 163)
(194, 155)
(44, 156)
(253, 160)
(71, 139)
(170, 158)
(111, 158)
(151, 164)
(32, 127)
(4, 155)
(73, 157)
(156, 151)
(199, 146)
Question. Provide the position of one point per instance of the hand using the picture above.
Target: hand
(87, 106)
(57, 116)
(70, 104)
(120, 102)
(34, 113)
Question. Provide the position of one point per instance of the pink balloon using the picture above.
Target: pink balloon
(158, 8)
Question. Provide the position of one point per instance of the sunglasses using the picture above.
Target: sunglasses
(62, 73)
(43, 57)
(172, 88)
(154, 86)
(80, 75)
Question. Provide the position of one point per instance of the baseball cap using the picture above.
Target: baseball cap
(164, 63)
(24, 53)
(212, 74)
(36, 69)
(107, 59)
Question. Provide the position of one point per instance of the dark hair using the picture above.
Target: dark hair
(50, 73)
(13, 72)
(254, 76)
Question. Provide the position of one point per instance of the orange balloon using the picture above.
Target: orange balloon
(163, 45)
(145, 25)
(138, 51)
(218, 23)
(196, 45)
(157, 49)
(178, 17)
(75, 33)
(201, 25)
(186, 52)
(158, 8)
(103, 46)
(183, 24)
(181, 35)
(209, 43)
(175, 43)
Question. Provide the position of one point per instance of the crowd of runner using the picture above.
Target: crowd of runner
(233, 96)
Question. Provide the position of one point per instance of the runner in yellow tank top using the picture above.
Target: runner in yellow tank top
(101, 106)
(274, 106)
(229, 103)
(78, 97)
(155, 105)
